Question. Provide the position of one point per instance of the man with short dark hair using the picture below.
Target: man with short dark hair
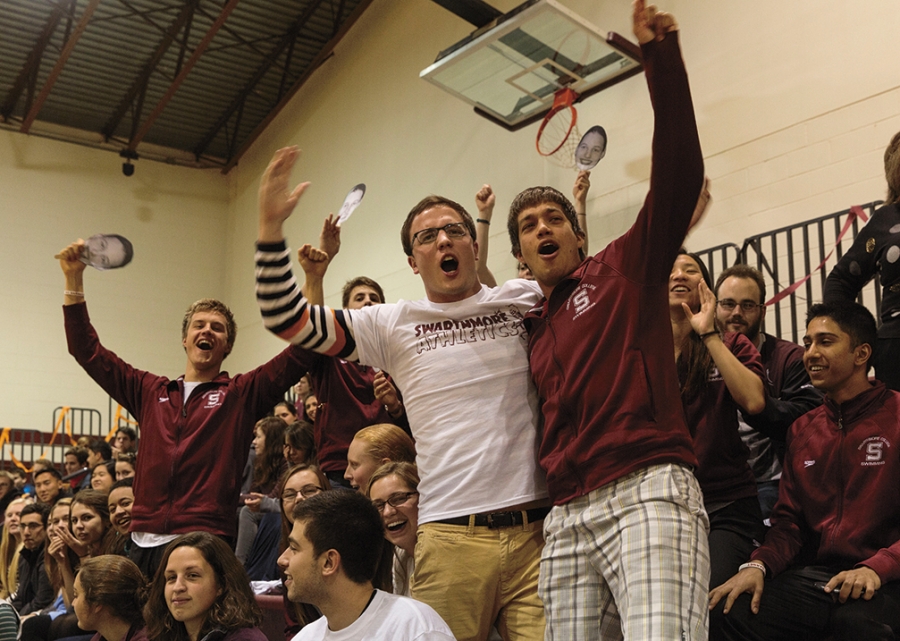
(196, 429)
(98, 452)
(125, 440)
(75, 462)
(34, 591)
(740, 307)
(830, 564)
(331, 561)
(626, 551)
(49, 486)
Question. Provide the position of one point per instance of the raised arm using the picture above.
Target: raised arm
(579, 198)
(676, 173)
(484, 201)
(285, 310)
(315, 261)
(73, 270)
(744, 385)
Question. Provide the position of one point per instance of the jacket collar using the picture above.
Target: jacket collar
(861, 405)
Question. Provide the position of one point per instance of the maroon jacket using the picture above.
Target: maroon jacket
(601, 347)
(188, 475)
(840, 489)
(347, 400)
(712, 417)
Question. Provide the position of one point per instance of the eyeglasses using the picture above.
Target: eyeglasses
(745, 305)
(31, 526)
(394, 500)
(306, 491)
(428, 236)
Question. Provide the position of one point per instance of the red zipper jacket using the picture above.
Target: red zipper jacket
(839, 488)
(188, 474)
(601, 348)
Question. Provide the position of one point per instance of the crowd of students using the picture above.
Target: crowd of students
(551, 458)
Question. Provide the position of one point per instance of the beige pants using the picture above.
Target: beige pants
(475, 577)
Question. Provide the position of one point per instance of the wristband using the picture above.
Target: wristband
(702, 336)
(482, 220)
(69, 292)
(753, 564)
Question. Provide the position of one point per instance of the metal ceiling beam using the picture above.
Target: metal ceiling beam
(182, 75)
(33, 62)
(139, 84)
(323, 55)
(476, 12)
(58, 67)
(271, 58)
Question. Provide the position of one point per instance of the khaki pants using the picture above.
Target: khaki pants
(475, 577)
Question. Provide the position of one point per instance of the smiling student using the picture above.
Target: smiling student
(830, 564)
(180, 417)
(201, 587)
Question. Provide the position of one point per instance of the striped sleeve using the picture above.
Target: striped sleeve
(287, 313)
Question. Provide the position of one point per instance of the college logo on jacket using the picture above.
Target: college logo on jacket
(580, 299)
(213, 398)
(872, 450)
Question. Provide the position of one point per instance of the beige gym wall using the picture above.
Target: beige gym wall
(52, 194)
(795, 103)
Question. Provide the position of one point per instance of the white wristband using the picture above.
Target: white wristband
(753, 564)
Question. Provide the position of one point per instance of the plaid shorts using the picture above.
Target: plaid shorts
(628, 560)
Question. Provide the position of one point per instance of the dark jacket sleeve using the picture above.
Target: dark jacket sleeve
(40, 583)
(857, 267)
(676, 172)
(797, 397)
(117, 378)
(266, 385)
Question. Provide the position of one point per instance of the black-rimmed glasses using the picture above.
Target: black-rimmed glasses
(394, 500)
(428, 236)
(745, 305)
(306, 492)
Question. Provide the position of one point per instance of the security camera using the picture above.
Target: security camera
(128, 155)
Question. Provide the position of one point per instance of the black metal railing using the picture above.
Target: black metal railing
(790, 253)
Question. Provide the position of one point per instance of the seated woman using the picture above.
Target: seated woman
(374, 446)
(110, 593)
(393, 489)
(268, 466)
(719, 375)
(120, 501)
(201, 587)
(299, 444)
(103, 475)
(125, 463)
(10, 545)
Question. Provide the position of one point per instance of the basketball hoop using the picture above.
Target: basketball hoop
(558, 136)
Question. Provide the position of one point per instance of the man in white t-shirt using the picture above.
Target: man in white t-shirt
(482, 496)
(331, 561)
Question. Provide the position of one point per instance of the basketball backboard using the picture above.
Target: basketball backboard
(510, 69)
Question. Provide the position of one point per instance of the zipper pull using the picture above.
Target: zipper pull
(184, 410)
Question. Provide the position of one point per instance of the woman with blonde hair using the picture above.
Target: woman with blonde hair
(374, 446)
(10, 545)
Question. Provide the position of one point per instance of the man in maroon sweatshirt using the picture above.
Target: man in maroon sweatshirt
(831, 562)
(626, 541)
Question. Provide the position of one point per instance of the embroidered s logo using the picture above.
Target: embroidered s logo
(581, 301)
